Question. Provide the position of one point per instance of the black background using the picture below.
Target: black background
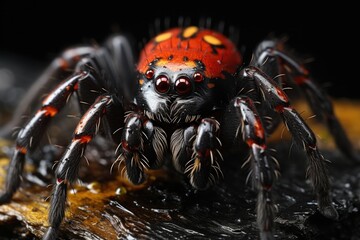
(325, 33)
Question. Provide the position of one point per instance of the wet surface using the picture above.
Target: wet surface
(166, 207)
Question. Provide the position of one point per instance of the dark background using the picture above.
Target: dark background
(39, 31)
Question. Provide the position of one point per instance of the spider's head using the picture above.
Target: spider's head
(173, 91)
(181, 73)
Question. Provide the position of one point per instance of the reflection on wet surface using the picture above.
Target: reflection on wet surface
(166, 207)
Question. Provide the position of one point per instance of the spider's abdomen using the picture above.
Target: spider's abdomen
(190, 47)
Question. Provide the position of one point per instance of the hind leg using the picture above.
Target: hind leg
(273, 59)
(303, 135)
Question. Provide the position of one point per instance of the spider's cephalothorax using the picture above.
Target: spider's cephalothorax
(192, 98)
(180, 70)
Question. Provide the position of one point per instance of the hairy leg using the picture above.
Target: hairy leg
(304, 136)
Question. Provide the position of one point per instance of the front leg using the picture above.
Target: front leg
(181, 146)
(67, 170)
(304, 136)
(143, 146)
(30, 136)
(195, 151)
(243, 123)
(60, 68)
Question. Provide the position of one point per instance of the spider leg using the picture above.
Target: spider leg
(303, 135)
(67, 169)
(59, 68)
(205, 161)
(244, 123)
(195, 151)
(29, 137)
(122, 57)
(181, 146)
(143, 146)
(277, 60)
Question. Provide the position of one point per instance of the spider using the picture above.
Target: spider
(190, 97)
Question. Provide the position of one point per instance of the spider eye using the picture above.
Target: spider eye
(183, 85)
(149, 74)
(198, 77)
(162, 84)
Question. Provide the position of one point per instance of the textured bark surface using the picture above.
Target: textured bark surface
(105, 206)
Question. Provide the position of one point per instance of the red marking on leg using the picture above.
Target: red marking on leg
(259, 130)
(63, 64)
(59, 180)
(76, 86)
(144, 122)
(85, 139)
(125, 145)
(304, 71)
(207, 153)
(50, 111)
(203, 153)
(279, 108)
(23, 150)
(281, 94)
(300, 80)
(250, 142)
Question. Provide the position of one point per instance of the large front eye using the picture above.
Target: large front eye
(162, 84)
(183, 85)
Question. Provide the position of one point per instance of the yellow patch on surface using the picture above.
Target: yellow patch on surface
(212, 40)
(141, 81)
(211, 85)
(163, 37)
(190, 31)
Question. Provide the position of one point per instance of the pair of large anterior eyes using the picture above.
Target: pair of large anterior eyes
(183, 85)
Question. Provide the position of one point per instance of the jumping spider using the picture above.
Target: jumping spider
(191, 97)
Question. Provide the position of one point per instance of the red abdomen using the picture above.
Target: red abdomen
(183, 47)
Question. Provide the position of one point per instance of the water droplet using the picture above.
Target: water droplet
(94, 187)
(120, 191)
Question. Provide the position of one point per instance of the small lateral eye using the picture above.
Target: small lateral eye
(149, 74)
(198, 77)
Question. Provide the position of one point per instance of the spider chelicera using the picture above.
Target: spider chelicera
(191, 96)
